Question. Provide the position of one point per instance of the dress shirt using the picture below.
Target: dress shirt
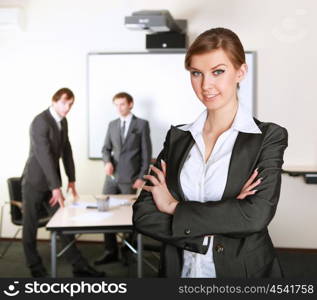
(205, 181)
(127, 120)
(56, 117)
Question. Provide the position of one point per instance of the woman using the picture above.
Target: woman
(216, 183)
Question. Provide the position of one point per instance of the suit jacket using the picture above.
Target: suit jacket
(48, 144)
(242, 247)
(130, 160)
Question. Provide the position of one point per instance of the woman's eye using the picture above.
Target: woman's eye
(218, 72)
(195, 73)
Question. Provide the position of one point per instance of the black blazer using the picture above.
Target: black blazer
(242, 247)
(47, 145)
(130, 160)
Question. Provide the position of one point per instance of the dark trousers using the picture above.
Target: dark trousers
(33, 203)
(111, 186)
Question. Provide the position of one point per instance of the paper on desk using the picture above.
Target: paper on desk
(92, 216)
(83, 204)
(116, 201)
(113, 202)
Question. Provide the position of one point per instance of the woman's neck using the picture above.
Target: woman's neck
(221, 120)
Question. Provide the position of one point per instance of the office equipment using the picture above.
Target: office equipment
(153, 20)
(15, 194)
(161, 89)
(309, 173)
(311, 178)
(165, 32)
(166, 41)
(117, 219)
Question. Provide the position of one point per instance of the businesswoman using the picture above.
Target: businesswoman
(215, 186)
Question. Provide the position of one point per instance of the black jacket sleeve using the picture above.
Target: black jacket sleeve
(107, 147)
(148, 220)
(146, 150)
(43, 153)
(67, 157)
(233, 216)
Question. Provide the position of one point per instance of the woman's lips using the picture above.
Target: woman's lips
(210, 96)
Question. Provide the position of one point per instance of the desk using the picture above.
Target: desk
(309, 173)
(75, 218)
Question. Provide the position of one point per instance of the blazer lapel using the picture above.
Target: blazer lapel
(242, 163)
(52, 121)
(63, 133)
(117, 134)
(181, 143)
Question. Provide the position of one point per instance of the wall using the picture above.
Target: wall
(50, 52)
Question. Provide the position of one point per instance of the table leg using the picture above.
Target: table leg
(1, 219)
(53, 254)
(140, 254)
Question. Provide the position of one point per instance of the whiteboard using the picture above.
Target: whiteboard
(160, 86)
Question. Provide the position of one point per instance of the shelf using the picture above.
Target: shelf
(309, 173)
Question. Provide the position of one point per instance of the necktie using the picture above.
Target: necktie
(122, 132)
(61, 130)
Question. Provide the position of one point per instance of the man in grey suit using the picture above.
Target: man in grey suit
(127, 154)
(41, 182)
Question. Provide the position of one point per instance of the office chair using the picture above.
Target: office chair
(15, 194)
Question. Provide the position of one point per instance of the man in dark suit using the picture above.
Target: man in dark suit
(127, 154)
(41, 182)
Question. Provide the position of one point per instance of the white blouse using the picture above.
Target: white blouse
(205, 181)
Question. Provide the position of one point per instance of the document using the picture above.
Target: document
(92, 216)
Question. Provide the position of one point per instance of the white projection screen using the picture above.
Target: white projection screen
(161, 89)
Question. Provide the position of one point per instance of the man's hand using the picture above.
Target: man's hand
(57, 197)
(71, 186)
(138, 184)
(109, 168)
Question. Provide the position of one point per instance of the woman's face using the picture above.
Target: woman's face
(214, 79)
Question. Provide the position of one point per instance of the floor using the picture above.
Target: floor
(294, 264)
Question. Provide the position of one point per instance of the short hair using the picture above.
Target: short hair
(58, 94)
(123, 95)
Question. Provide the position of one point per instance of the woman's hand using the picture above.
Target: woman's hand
(163, 199)
(248, 188)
